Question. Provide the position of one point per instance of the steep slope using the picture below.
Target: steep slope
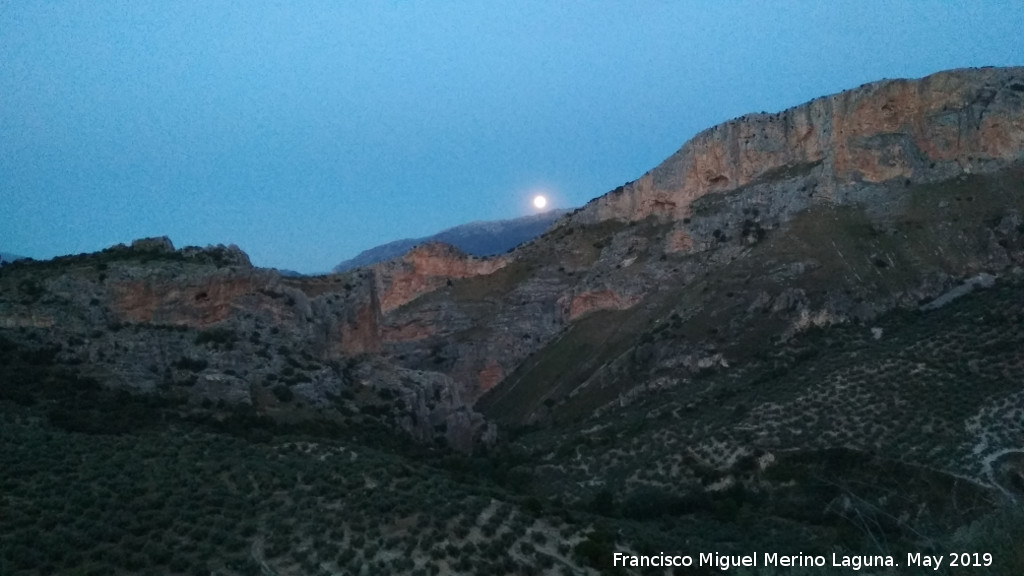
(875, 438)
(831, 264)
(475, 238)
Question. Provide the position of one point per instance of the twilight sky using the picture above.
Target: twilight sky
(306, 132)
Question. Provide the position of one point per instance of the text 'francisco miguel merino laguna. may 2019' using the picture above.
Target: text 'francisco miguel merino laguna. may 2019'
(773, 559)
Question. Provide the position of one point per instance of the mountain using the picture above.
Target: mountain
(7, 257)
(289, 273)
(802, 332)
(475, 238)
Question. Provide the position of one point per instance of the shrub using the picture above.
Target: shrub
(191, 364)
(216, 336)
(596, 551)
(283, 393)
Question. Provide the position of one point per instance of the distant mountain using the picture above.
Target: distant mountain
(475, 238)
(7, 257)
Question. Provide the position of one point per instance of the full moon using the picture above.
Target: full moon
(539, 202)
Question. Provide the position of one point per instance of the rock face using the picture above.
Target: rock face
(950, 123)
(207, 301)
(204, 326)
(430, 404)
(425, 269)
(980, 281)
(756, 231)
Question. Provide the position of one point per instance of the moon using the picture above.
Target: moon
(539, 202)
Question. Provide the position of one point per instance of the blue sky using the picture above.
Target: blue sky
(306, 132)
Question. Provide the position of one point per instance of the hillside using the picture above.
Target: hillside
(800, 333)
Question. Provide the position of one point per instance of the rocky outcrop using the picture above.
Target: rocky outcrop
(925, 130)
(205, 327)
(425, 269)
(362, 334)
(490, 376)
(587, 302)
(426, 405)
(215, 387)
(160, 244)
(980, 281)
(678, 241)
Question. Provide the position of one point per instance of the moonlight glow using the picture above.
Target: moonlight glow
(539, 202)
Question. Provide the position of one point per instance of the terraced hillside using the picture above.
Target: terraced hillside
(936, 390)
(187, 501)
(897, 435)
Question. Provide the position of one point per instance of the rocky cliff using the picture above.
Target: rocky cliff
(927, 130)
(425, 269)
(203, 326)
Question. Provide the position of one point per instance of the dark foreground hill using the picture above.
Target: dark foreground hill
(800, 334)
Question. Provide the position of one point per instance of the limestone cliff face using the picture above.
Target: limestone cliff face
(197, 302)
(925, 130)
(425, 269)
(205, 326)
(203, 298)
